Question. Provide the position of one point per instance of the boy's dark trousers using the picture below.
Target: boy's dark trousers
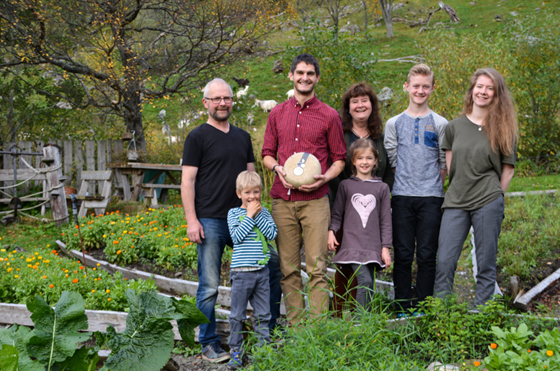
(416, 224)
(253, 287)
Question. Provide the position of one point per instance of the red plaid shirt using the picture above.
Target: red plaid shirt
(313, 128)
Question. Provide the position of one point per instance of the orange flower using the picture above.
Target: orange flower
(66, 276)
(115, 242)
(118, 252)
(109, 299)
(493, 345)
(81, 267)
(75, 280)
(528, 350)
(549, 353)
(51, 285)
(54, 251)
(476, 363)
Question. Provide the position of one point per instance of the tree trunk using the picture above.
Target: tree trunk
(386, 11)
(365, 19)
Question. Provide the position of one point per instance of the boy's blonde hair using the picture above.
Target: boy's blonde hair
(422, 70)
(248, 179)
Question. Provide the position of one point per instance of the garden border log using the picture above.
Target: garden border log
(98, 320)
(172, 285)
(523, 301)
(523, 194)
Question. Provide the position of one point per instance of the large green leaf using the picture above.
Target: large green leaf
(188, 316)
(147, 342)
(85, 359)
(18, 336)
(56, 330)
(8, 358)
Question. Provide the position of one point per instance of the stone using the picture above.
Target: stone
(385, 94)
(352, 28)
(436, 366)
(278, 68)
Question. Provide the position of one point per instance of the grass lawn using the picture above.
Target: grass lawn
(534, 183)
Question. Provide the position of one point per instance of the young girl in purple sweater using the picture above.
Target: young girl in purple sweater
(363, 202)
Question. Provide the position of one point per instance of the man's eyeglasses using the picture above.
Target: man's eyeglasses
(217, 100)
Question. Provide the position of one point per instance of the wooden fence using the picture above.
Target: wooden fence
(77, 155)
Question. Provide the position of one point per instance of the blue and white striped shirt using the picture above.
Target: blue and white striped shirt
(247, 247)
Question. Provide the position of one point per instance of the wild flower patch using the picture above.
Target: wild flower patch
(40, 271)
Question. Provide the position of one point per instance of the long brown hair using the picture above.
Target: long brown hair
(375, 125)
(501, 121)
(358, 147)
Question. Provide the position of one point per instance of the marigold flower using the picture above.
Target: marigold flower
(66, 276)
(16, 276)
(109, 299)
(75, 280)
(92, 290)
(107, 291)
(493, 345)
(118, 252)
(549, 353)
(51, 285)
(81, 267)
(476, 363)
(528, 350)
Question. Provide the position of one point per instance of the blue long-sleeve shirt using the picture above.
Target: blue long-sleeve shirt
(247, 247)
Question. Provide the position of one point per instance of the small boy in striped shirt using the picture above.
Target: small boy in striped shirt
(249, 226)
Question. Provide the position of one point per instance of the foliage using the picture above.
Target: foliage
(40, 271)
(145, 345)
(530, 234)
(341, 62)
(525, 53)
(126, 53)
(335, 344)
(518, 349)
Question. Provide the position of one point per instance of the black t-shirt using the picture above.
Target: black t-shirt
(219, 157)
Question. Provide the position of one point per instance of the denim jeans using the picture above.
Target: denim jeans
(210, 252)
(275, 289)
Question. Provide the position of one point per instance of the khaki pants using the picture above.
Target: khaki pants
(312, 218)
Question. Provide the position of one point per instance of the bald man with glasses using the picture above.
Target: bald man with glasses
(213, 155)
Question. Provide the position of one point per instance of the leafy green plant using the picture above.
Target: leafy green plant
(517, 349)
(145, 345)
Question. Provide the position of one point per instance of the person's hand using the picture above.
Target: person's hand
(332, 242)
(253, 209)
(195, 231)
(321, 179)
(282, 175)
(386, 257)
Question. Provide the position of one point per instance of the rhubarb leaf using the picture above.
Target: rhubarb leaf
(18, 336)
(56, 330)
(188, 317)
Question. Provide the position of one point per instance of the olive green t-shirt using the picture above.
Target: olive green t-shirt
(474, 175)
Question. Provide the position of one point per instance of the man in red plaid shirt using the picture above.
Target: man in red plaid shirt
(303, 124)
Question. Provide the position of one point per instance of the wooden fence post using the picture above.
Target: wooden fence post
(58, 202)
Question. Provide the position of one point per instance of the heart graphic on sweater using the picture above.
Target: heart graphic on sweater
(364, 205)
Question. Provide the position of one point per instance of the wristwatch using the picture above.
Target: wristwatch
(274, 168)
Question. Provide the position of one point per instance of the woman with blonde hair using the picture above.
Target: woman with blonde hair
(480, 151)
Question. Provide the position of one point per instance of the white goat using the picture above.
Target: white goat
(290, 93)
(266, 105)
(242, 92)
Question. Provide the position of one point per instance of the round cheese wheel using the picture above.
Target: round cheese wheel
(301, 175)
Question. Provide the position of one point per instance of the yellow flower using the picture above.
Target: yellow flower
(92, 290)
(16, 276)
(549, 353)
(107, 291)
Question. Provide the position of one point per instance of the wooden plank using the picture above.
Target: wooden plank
(97, 175)
(38, 148)
(101, 155)
(7, 200)
(523, 301)
(78, 160)
(118, 151)
(98, 320)
(90, 163)
(523, 194)
(127, 195)
(8, 165)
(6, 175)
(67, 158)
(172, 285)
(163, 186)
(58, 204)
